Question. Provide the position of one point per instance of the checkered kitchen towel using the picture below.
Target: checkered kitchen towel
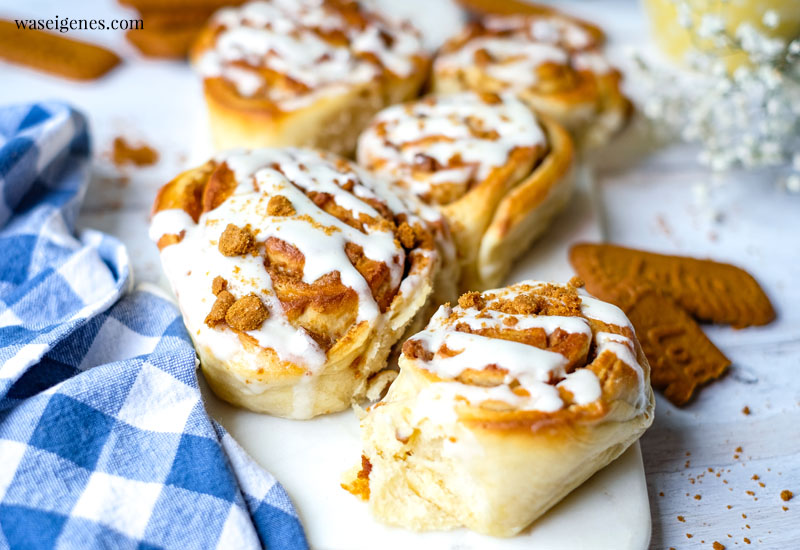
(104, 441)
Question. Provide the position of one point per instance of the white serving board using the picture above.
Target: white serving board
(160, 103)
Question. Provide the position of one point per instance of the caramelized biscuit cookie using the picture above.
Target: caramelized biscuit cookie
(710, 291)
(54, 54)
(681, 356)
(660, 294)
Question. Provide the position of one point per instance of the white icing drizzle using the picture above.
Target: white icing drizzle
(518, 45)
(311, 42)
(533, 368)
(193, 263)
(547, 29)
(603, 311)
(481, 132)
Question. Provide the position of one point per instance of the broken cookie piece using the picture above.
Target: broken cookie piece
(247, 313)
(279, 205)
(218, 285)
(236, 241)
(221, 306)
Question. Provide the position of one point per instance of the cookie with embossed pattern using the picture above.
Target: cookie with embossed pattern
(661, 295)
(710, 291)
(681, 356)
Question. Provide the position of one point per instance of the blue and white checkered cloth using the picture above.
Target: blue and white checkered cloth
(104, 441)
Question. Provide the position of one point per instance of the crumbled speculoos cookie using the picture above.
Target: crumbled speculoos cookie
(279, 205)
(247, 313)
(471, 299)
(221, 306)
(218, 285)
(236, 241)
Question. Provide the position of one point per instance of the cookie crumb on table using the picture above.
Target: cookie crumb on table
(786, 495)
(138, 155)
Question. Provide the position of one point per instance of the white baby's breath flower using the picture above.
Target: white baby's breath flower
(771, 19)
(710, 25)
(750, 118)
(684, 15)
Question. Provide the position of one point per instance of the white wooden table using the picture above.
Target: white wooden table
(693, 467)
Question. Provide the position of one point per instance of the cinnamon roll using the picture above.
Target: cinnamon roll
(496, 171)
(504, 404)
(304, 72)
(295, 271)
(553, 62)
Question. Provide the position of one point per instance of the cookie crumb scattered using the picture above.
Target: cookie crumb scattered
(682, 519)
(220, 308)
(718, 546)
(697, 497)
(247, 313)
(576, 282)
(279, 205)
(786, 495)
(218, 285)
(471, 299)
(139, 155)
(405, 233)
(235, 241)
(746, 410)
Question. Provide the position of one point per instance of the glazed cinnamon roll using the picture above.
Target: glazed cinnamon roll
(504, 404)
(553, 62)
(304, 72)
(295, 272)
(496, 171)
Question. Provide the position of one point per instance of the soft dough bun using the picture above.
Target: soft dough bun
(504, 404)
(291, 72)
(295, 271)
(553, 62)
(498, 173)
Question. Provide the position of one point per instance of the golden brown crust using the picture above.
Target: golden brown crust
(185, 192)
(527, 209)
(173, 43)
